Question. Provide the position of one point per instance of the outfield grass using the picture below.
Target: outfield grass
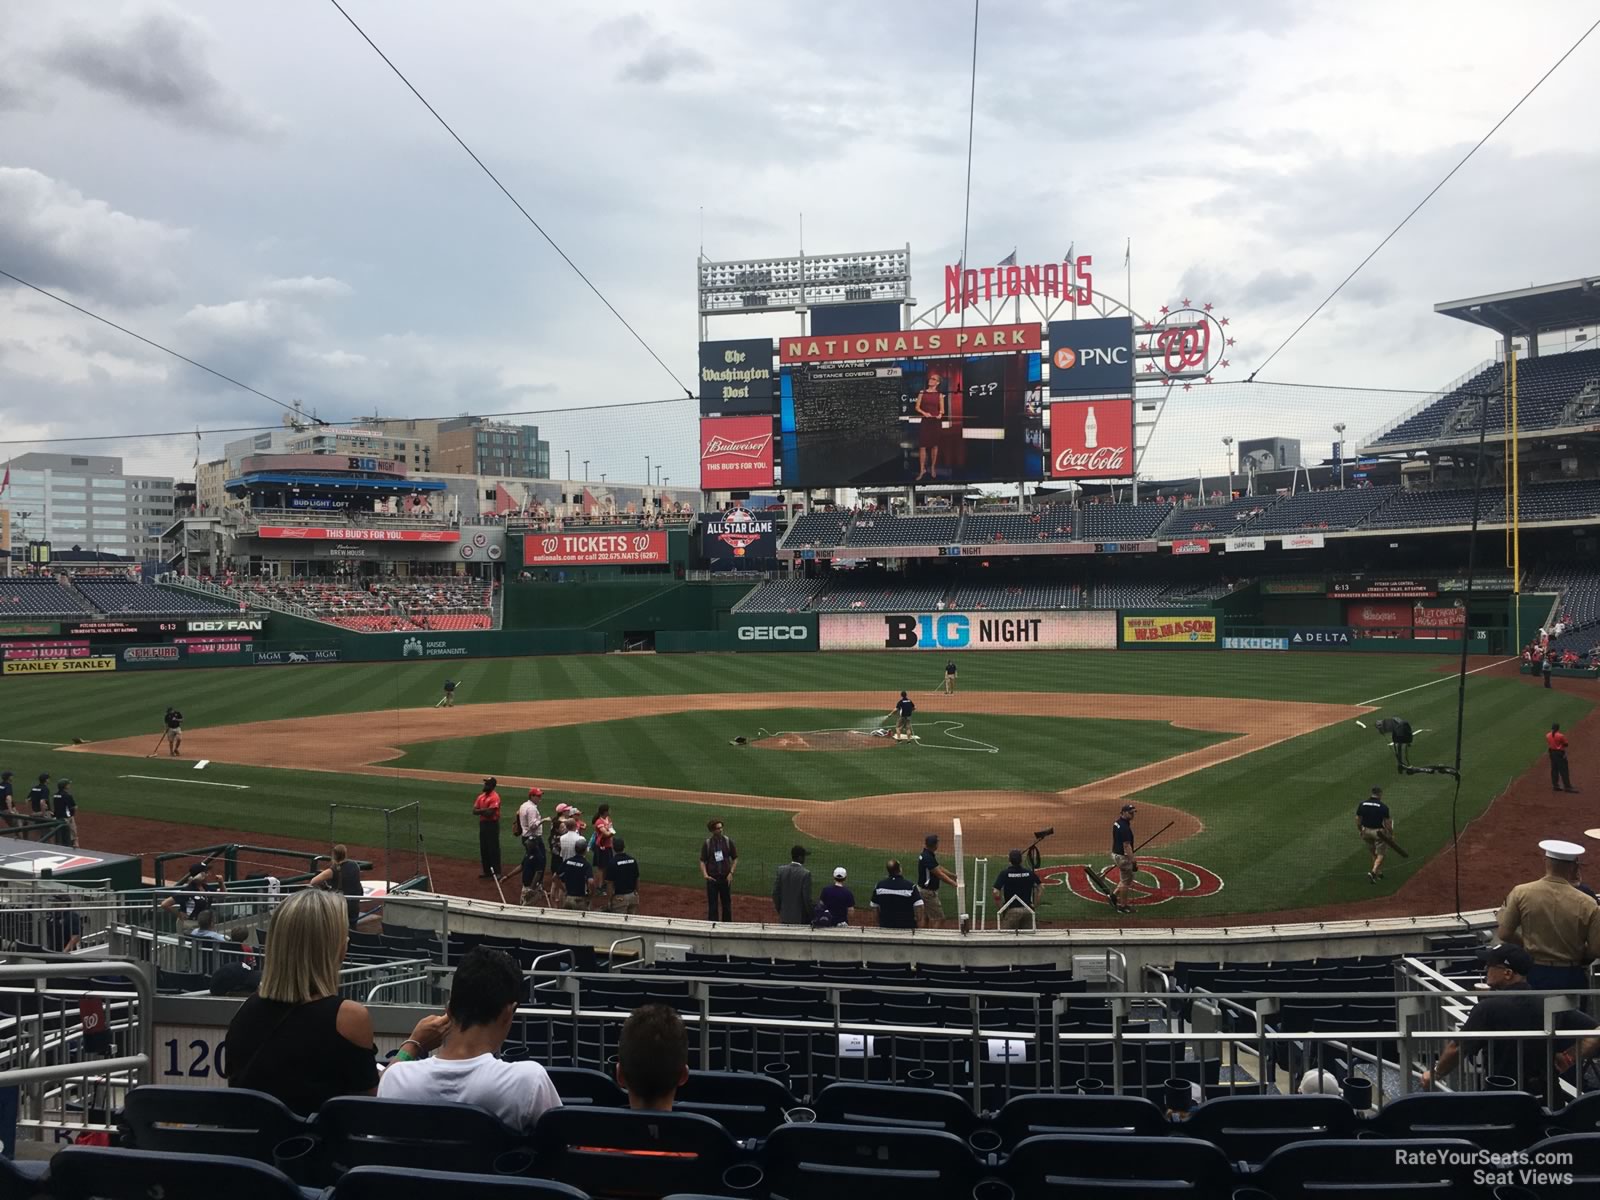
(693, 752)
(1278, 823)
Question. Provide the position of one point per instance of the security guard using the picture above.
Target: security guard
(1122, 856)
(624, 878)
(1372, 823)
(1560, 775)
(1018, 883)
(1556, 923)
(576, 877)
(39, 795)
(929, 876)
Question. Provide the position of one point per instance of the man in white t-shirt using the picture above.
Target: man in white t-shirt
(483, 1003)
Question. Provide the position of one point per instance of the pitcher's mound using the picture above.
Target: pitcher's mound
(824, 739)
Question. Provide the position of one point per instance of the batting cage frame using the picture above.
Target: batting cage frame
(398, 838)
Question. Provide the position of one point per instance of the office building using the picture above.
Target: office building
(86, 501)
(476, 446)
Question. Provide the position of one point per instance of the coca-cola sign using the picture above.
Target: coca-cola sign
(735, 453)
(1091, 439)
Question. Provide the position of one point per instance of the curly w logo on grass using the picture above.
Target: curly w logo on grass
(1157, 880)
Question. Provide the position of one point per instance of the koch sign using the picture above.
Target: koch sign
(593, 549)
(314, 533)
(736, 377)
(1091, 357)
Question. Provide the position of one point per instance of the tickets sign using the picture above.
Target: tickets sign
(1168, 630)
(317, 533)
(593, 549)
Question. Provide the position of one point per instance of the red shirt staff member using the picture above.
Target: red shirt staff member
(487, 808)
(1560, 774)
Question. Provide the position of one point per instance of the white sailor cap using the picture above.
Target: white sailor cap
(1561, 851)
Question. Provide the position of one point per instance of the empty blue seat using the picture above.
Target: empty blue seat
(1124, 1116)
(1581, 1116)
(21, 1179)
(1499, 1121)
(363, 1131)
(882, 1104)
(843, 1162)
(609, 1151)
(745, 1104)
(1248, 1128)
(1369, 1169)
(583, 1086)
(388, 1183)
(192, 1120)
(1575, 1154)
(1078, 1165)
(101, 1173)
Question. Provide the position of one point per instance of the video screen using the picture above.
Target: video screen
(916, 420)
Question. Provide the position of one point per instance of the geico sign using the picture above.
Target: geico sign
(773, 633)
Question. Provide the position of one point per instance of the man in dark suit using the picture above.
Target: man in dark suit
(791, 889)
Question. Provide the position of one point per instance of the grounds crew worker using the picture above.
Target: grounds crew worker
(8, 798)
(173, 723)
(64, 808)
(929, 876)
(1556, 923)
(896, 899)
(950, 677)
(623, 878)
(1560, 775)
(487, 808)
(1019, 883)
(577, 876)
(39, 795)
(1122, 856)
(1372, 821)
(903, 708)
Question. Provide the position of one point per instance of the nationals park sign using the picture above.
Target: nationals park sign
(593, 549)
(911, 343)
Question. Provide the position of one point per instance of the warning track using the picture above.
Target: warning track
(360, 743)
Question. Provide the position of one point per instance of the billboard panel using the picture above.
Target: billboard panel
(314, 533)
(736, 377)
(45, 666)
(1168, 630)
(735, 453)
(593, 549)
(912, 420)
(1091, 439)
(855, 318)
(1091, 357)
(910, 343)
(737, 537)
(1268, 454)
(969, 631)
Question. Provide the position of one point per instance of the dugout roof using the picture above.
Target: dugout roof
(1532, 310)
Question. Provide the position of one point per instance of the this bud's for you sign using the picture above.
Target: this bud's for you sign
(1091, 439)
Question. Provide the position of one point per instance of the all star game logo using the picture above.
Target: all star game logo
(1157, 880)
(739, 529)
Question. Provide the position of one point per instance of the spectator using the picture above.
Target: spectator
(297, 1038)
(652, 1057)
(577, 877)
(206, 926)
(718, 858)
(624, 878)
(343, 877)
(791, 889)
(896, 898)
(190, 898)
(603, 844)
(483, 1003)
(63, 928)
(8, 799)
(836, 901)
(572, 836)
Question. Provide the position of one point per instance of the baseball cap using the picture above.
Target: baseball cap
(1127, 808)
(536, 791)
(1507, 954)
(840, 873)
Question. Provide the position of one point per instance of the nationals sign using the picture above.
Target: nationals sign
(313, 533)
(910, 343)
(1091, 439)
(593, 549)
(735, 453)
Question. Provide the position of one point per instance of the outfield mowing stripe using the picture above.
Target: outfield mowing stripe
(1442, 679)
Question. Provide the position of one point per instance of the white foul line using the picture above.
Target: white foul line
(243, 787)
(25, 742)
(1442, 679)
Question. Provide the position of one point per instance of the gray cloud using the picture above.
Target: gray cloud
(160, 62)
(53, 235)
(652, 56)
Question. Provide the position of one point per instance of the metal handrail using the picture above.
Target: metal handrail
(611, 951)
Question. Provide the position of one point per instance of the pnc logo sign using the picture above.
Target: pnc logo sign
(1066, 357)
(773, 633)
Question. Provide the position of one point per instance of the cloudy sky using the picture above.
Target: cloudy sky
(252, 186)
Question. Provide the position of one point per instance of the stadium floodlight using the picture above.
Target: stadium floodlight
(1338, 427)
(1227, 453)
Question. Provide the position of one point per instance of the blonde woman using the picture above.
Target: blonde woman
(297, 1038)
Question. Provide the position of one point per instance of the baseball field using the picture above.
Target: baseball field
(1246, 767)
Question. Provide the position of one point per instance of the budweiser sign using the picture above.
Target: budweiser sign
(1091, 440)
(735, 453)
(354, 533)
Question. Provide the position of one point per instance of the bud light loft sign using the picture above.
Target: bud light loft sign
(1091, 357)
(1091, 439)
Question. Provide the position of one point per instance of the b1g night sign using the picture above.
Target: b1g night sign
(1063, 281)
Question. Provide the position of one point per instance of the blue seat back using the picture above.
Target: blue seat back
(585, 1086)
(1091, 1165)
(189, 1120)
(608, 1151)
(745, 1104)
(1248, 1128)
(1369, 1169)
(389, 1183)
(1032, 1116)
(882, 1104)
(1499, 1121)
(362, 1131)
(843, 1162)
(99, 1173)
